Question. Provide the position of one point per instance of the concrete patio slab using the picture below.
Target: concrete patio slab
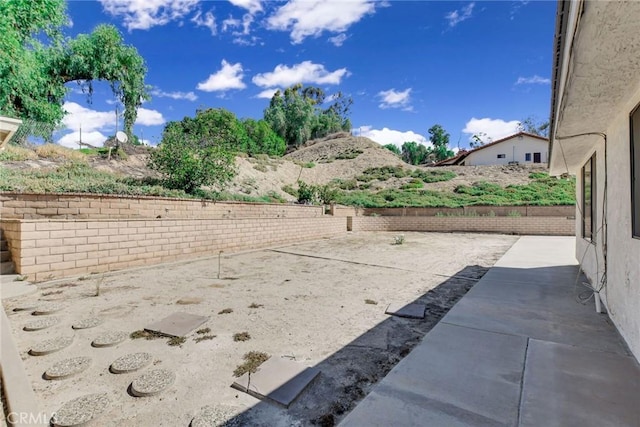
(12, 287)
(566, 385)
(278, 380)
(177, 324)
(411, 310)
(453, 385)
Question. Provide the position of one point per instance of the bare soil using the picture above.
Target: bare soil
(309, 304)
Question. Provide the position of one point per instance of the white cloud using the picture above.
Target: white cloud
(304, 72)
(144, 14)
(149, 117)
(490, 129)
(208, 21)
(339, 39)
(267, 93)
(536, 79)
(395, 99)
(228, 77)
(189, 96)
(230, 23)
(390, 136)
(89, 120)
(94, 138)
(457, 16)
(252, 6)
(306, 18)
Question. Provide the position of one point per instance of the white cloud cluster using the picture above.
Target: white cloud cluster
(145, 14)
(395, 99)
(267, 93)
(228, 77)
(535, 79)
(305, 18)
(338, 40)
(207, 20)
(189, 96)
(95, 124)
(390, 136)
(253, 6)
(304, 72)
(457, 16)
(490, 129)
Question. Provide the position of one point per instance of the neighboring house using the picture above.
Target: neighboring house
(8, 128)
(595, 129)
(521, 148)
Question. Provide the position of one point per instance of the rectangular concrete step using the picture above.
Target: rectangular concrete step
(6, 267)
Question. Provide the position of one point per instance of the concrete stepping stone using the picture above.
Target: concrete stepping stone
(47, 309)
(177, 324)
(40, 324)
(411, 311)
(109, 339)
(91, 322)
(50, 346)
(278, 380)
(153, 382)
(130, 363)
(209, 416)
(81, 410)
(67, 368)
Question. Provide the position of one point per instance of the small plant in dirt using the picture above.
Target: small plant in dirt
(241, 336)
(226, 311)
(256, 305)
(514, 214)
(204, 338)
(398, 240)
(252, 361)
(49, 293)
(176, 341)
(371, 302)
(145, 334)
(203, 331)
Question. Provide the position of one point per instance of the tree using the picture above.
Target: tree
(414, 153)
(440, 141)
(263, 138)
(393, 148)
(479, 139)
(297, 115)
(190, 159)
(532, 125)
(36, 61)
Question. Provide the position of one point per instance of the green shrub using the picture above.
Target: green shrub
(436, 175)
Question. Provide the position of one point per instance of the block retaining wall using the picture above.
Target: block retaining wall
(553, 226)
(48, 249)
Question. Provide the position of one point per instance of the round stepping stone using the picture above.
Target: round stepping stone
(153, 382)
(81, 410)
(40, 324)
(130, 362)
(47, 309)
(207, 417)
(91, 322)
(68, 367)
(109, 339)
(50, 346)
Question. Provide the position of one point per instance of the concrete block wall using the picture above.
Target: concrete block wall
(557, 211)
(555, 226)
(48, 249)
(87, 206)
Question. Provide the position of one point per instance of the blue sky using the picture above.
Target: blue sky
(473, 67)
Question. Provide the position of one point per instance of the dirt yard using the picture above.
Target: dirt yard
(309, 305)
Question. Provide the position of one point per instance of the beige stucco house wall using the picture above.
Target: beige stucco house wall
(596, 87)
(521, 148)
(8, 128)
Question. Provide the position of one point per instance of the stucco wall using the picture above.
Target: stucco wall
(514, 150)
(621, 295)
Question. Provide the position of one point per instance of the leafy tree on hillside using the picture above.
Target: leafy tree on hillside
(297, 115)
(36, 61)
(414, 153)
(393, 148)
(440, 141)
(264, 139)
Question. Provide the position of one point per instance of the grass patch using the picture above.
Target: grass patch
(226, 311)
(15, 153)
(204, 338)
(146, 335)
(413, 183)
(58, 152)
(382, 173)
(252, 361)
(241, 336)
(203, 331)
(309, 165)
(428, 176)
(176, 341)
(348, 155)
